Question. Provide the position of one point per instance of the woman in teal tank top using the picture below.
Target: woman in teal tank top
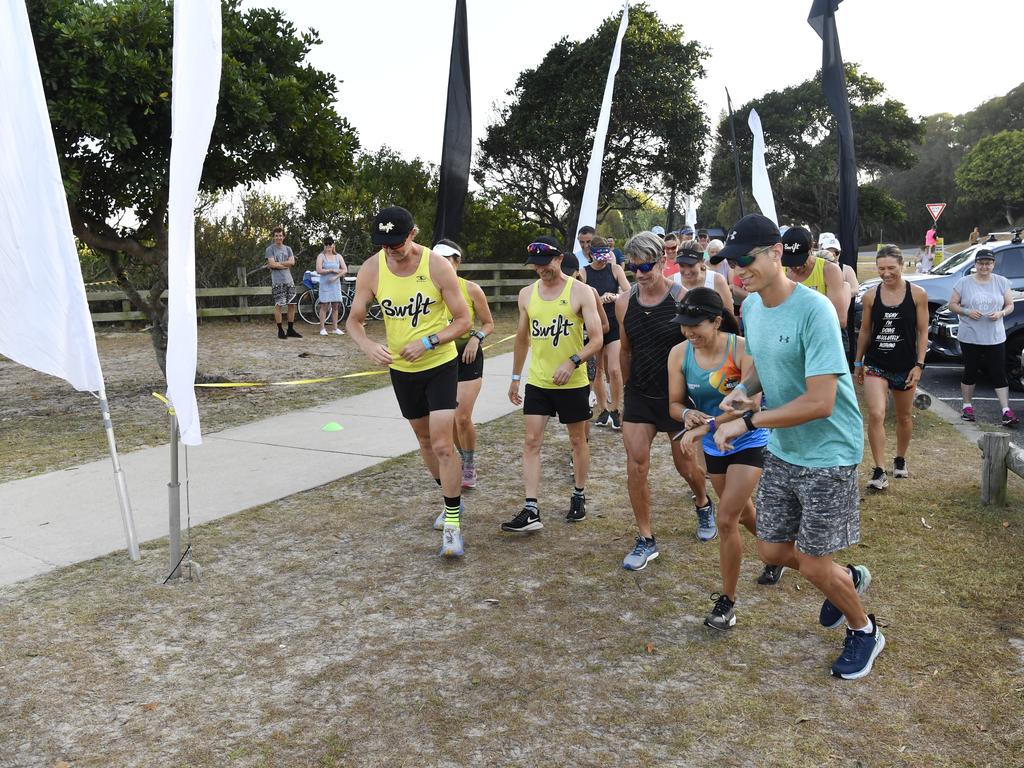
(701, 371)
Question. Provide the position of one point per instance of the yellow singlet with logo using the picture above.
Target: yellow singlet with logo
(413, 308)
(816, 279)
(461, 341)
(556, 333)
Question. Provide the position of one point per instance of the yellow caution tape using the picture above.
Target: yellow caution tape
(299, 382)
(101, 282)
(165, 401)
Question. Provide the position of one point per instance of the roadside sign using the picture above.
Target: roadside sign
(935, 209)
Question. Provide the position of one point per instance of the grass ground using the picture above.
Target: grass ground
(327, 632)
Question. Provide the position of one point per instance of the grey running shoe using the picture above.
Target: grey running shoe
(831, 617)
(723, 614)
(879, 480)
(706, 527)
(899, 467)
(644, 551)
(602, 419)
(771, 574)
(525, 521)
(451, 542)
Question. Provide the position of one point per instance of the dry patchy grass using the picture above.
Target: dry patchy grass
(327, 632)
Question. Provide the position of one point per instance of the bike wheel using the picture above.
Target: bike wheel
(343, 307)
(309, 307)
(374, 312)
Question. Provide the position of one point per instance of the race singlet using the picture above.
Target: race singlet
(556, 334)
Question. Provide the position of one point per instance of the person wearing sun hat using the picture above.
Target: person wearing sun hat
(808, 497)
(609, 280)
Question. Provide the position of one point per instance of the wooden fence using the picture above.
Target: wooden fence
(500, 283)
(999, 456)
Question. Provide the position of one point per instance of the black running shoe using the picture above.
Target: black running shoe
(525, 521)
(293, 334)
(771, 575)
(577, 509)
(616, 420)
(602, 419)
(281, 334)
(723, 614)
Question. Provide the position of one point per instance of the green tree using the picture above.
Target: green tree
(106, 71)
(992, 173)
(538, 149)
(802, 151)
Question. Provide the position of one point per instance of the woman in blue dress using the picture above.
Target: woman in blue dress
(331, 268)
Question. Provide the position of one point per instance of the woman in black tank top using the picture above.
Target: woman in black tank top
(608, 279)
(890, 357)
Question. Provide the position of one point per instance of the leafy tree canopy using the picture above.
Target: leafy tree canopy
(992, 173)
(537, 151)
(802, 152)
(106, 71)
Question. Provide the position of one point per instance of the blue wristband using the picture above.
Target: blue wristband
(711, 425)
(426, 343)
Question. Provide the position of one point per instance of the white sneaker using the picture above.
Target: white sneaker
(338, 332)
(879, 481)
(323, 332)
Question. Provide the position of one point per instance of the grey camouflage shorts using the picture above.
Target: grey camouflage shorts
(816, 507)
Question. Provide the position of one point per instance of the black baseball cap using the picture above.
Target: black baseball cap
(570, 264)
(796, 247)
(985, 253)
(689, 256)
(698, 305)
(391, 226)
(750, 232)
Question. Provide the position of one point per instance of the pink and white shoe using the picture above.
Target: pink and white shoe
(468, 476)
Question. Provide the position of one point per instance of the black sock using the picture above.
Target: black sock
(577, 491)
(438, 481)
(280, 326)
(291, 326)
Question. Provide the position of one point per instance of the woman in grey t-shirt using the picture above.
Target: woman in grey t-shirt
(982, 300)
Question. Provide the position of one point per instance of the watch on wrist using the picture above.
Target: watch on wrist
(748, 419)
(434, 340)
(920, 365)
(576, 360)
(516, 377)
(477, 334)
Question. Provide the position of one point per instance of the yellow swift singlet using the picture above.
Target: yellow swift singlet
(413, 308)
(556, 333)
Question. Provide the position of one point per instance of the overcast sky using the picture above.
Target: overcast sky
(391, 56)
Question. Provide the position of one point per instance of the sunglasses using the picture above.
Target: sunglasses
(543, 249)
(602, 253)
(645, 267)
(694, 310)
(748, 258)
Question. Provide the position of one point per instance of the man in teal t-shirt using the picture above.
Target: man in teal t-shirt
(807, 501)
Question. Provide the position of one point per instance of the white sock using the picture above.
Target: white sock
(868, 629)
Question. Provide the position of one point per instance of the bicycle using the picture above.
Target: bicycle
(309, 300)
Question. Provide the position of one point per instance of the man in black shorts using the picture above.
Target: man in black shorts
(648, 334)
(553, 312)
(413, 287)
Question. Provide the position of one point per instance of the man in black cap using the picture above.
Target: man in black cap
(413, 286)
(807, 500)
(553, 312)
(815, 272)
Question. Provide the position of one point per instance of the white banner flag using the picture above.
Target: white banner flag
(195, 87)
(588, 208)
(44, 316)
(759, 182)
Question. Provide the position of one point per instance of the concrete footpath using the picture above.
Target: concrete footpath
(69, 516)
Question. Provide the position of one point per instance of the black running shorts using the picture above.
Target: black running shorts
(648, 410)
(570, 405)
(420, 392)
(471, 371)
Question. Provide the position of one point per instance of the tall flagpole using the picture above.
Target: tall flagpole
(735, 153)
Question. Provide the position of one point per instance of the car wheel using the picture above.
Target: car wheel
(1015, 362)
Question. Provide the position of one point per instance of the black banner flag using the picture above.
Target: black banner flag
(457, 149)
(833, 82)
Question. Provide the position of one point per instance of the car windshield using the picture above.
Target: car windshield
(953, 263)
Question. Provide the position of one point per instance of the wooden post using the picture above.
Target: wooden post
(994, 447)
(243, 301)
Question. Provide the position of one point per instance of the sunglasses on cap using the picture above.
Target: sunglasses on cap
(543, 249)
(748, 258)
(695, 310)
(602, 253)
(645, 267)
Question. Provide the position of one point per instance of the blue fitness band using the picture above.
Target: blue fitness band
(426, 343)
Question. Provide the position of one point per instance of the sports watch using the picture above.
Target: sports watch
(434, 340)
(576, 360)
(478, 334)
(748, 419)
(920, 365)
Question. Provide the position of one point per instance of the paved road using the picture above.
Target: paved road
(942, 380)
